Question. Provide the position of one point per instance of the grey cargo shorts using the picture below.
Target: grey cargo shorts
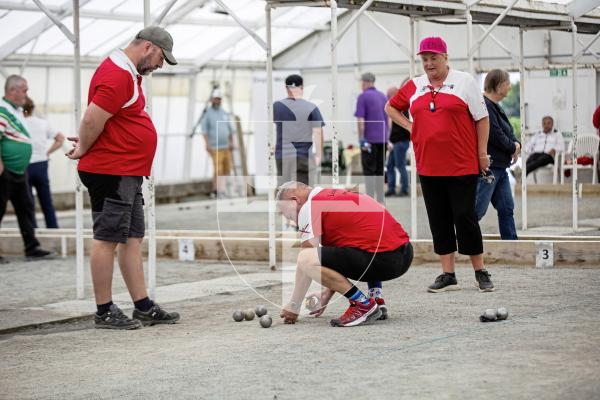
(117, 206)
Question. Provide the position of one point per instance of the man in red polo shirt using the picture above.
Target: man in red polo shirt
(115, 148)
(346, 235)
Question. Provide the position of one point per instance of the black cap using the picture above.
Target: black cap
(294, 81)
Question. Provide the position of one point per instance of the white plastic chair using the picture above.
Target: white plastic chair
(587, 144)
(553, 167)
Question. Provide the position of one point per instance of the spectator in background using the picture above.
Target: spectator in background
(37, 172)
(15, 152)
(503, 148)
(299, 125)
(217, 131)
(399, 144)
(372, 134)
(544, 145)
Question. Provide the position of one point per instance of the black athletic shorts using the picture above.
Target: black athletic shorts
(361, 265)
(117, 206)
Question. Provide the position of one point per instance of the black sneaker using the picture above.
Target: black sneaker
(115, 319)
(390, 194)
(444, 282)
(38, 254)
(155, 315)
(484, 283)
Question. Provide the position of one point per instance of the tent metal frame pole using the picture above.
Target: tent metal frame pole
(491, 27)
(413, 160)
(74, 38)
(335, 162)
(187, 156)
(270, 149)
(586, 46)
(575, 127)
(164, 12)
(522, 117)
(390, 35)
(500, 44)
(79, 250)
(469, 40)
(151, 184)
(354, 18)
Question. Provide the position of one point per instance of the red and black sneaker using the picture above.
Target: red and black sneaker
(358, 313)
(382, 307)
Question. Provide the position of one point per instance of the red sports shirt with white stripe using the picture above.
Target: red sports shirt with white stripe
(127, 145)
(346, 219)
(445, 140)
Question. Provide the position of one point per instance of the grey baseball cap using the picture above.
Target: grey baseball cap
(161, 38)
(367, 77)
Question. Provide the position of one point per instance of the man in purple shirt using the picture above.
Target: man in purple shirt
(372, 134)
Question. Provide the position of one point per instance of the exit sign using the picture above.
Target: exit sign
(558, 72)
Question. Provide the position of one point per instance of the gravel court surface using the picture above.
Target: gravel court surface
(433, 347)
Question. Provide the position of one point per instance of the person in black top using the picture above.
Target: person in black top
(398, 145)
(504, 149)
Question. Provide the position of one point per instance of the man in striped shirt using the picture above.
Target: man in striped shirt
(15, 153)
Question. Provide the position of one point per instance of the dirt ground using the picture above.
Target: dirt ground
(432, 347)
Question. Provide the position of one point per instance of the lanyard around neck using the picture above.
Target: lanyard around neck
(433, 92)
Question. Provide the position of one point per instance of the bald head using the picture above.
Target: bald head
(290, 197)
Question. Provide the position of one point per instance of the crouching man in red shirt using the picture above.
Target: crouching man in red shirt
(345, 235)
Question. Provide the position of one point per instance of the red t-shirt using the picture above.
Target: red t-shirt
(347, 219)
(127, 144)
(445, 140)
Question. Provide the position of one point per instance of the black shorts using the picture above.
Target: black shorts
(117, 206)
(361, 265)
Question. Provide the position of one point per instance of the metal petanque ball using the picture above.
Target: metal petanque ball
(311, 303)
(260, 310)
(490, 314)
(249, 314)
(238, 316)
(502, 313)
(266, 321)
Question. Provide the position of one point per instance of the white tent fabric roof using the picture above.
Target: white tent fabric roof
(202, 31)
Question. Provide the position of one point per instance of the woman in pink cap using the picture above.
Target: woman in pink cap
(449, 131)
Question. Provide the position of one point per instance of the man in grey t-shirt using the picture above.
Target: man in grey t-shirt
(299, 124)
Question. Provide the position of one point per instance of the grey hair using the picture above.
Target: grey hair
(12, 82)
(284, 188)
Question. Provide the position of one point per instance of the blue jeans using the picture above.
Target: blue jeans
(498, 192)
(397, 159)
(37, 174)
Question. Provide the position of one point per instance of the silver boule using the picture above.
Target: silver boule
(490, 314)
(260, 310)
(502, 313)
(238, 316)
(266, 321)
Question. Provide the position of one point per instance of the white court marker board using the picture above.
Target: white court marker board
(544, 254)
(187, 251)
